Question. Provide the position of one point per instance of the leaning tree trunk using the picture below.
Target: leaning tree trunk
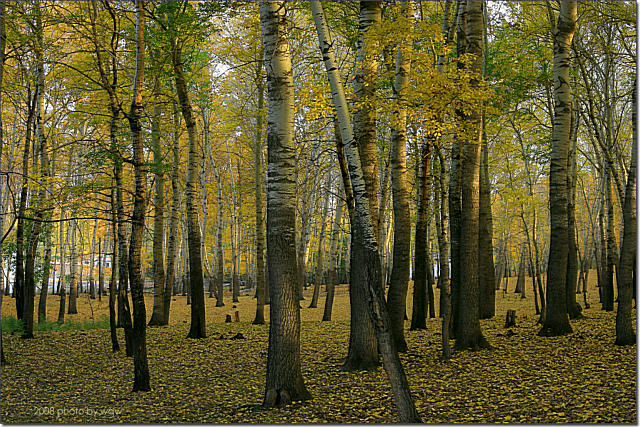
(198, 326)
(624, 322)
(136, 279)
(364, 236)
(556, 320)
(397, 296)
(284, 382)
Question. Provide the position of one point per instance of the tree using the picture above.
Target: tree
(198, 327)
(284, 382)
(139, 331)
(363, 349)
(625, 334)
(556, 320)
(397, 296)
(363, 232)
(468, 332)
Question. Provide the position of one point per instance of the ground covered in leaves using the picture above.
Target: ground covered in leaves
(73, 377)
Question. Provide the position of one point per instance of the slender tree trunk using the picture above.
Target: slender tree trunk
(332, 272)
(115, 346)
(284, 382)
(364, 233)
(136, 279)
(363, 348)
(157, 316)
(397, 296)
(220, 254)
(319, 276)
(259, 188)
(420, 302)
(73, 261)
(173, 223)
(486, 269)
(198, 327)
(443, 248)
(556, 320)
(92, 283)
(625, 334)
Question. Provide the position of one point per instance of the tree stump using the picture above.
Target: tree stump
(511, 319)
(237, 316)
(227, 319)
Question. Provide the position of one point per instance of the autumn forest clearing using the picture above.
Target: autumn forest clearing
(579, 378)
(318, 211)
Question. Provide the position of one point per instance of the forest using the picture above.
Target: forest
(318, 211)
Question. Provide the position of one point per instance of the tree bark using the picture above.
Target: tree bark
(364, 235)
(332, 271)
(625, 334)
(198, 327)
(556, 320)
(397, 296)
(468, 332)
(363, 349)
(284, 382)
(259, 188)
(157, 316)
(136, 280)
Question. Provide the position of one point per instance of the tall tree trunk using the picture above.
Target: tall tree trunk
(172, 245)
(364, 235)
(198, 327)
(136, 279)
(455, 184)
(486, 269)
(556, 320)
(157, 316)
(284, 382)
(73, 276)
(443, 248)
(363, 348)
(468, 332)
(259, 188)
(332, 271)
(220, 254)
(397, 296)
(625, 334)
(573, 308)
(92, 283)
(420, 302)
(319, 275)
(115, 346)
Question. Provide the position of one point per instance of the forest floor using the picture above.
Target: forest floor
(73, 377)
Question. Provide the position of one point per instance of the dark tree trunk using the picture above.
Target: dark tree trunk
(136, 280)
(420, 302)
(625, 334)
(486, 269)
(198, 326)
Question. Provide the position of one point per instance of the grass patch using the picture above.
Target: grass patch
(12, 325)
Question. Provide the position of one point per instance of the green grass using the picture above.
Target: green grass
(12, 325)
